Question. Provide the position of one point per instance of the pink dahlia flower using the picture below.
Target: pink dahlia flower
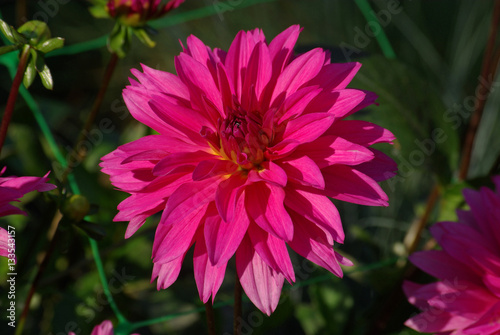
(466, 300)
(105, 328)
(138, 12)
(251, 142)
(13, 189)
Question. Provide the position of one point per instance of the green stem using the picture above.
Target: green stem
(381, 37)
(14, 90)
(105, 286)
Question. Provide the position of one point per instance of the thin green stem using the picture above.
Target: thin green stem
(105, 286)
(14, 90)
(380, 36)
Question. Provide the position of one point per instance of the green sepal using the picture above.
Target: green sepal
(97, 232)
(50, 45)
(35, 31)
(144, 37)
(99, 12)
(11, 34)
(119, 40)
(8, 48)
(30, 72)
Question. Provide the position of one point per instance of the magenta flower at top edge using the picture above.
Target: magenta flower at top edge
(13, 189)
(466, 300)
(137, 12)
(105, 328)
(251, 142)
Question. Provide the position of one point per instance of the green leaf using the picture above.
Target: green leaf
(8, 48)
(143, 36)
(51, 44)
(36, 31)
(30, 72)
(46, 77)
(451, 200)
(11, 34)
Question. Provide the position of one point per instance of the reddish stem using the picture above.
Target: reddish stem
(14, 90)
(489, 66)
(81, 153)
(209, 309)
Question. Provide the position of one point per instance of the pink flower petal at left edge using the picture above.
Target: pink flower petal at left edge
(466, 300)
(251, 142)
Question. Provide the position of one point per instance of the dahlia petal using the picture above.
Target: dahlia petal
(185, 119)
(271, 173)
(260, 282)
(298, 72)
(147, 155)
(492, 282)
(304, 170)
(257, 75)
(281, 47)
(167, 273)
(198, 50)
(213, 167)
(237, 59)
(137, 101)
(336, 75)
(310, 242)
(225, 87)
(361, 132)
(296, 103)
(178, 159)
(188, 197)
(227, 193)
(172, 240)
(345, 183)
(207, 276)
(307, 128)
(410, 289)
(341, 103)
(264, 203)
(163, 82)
(487, 324)
(200, 83)
(428, 322)
(329, 150)
(223, 238)
(317, 209)
(272, 250)
(440, 264)
(380, 168)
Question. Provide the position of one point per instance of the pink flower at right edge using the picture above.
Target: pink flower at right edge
(105, 328)
(251, 142)
(466, 300)
(13, 189)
